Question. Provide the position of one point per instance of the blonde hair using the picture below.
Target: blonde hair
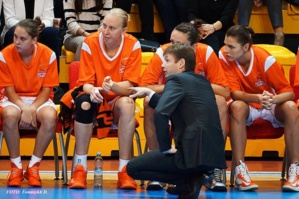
(122, 14)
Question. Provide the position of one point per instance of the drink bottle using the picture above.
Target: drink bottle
(98, 170)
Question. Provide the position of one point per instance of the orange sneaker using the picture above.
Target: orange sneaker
(15, 176)
(125, 181)
(32, 175)
(78, 179)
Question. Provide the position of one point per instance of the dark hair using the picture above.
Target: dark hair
(30, 25)
(79, 4)
(242, 33)
(188, 29)
(182, 51)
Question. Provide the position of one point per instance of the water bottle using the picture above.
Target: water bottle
(98, 170)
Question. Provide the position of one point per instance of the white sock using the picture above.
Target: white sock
(122, 163)
(81, 159)
(34, 160)
(17, 161)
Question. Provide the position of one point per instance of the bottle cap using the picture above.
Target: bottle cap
(98, 153)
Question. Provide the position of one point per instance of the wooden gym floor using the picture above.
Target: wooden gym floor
(266, 173)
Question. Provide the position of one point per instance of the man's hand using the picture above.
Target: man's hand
(139, 92)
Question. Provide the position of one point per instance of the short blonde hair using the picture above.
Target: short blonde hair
(122, 14)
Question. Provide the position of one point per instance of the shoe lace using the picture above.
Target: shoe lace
(293, 171)
(244, 171)
(34, 171)
(78, 173)
(14, 172)
(218, 175)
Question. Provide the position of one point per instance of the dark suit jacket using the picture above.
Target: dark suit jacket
(189, 102)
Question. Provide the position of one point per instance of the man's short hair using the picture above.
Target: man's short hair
(182, 51)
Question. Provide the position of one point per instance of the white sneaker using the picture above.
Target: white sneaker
(292, 184)
(243, 181)
(215, 183)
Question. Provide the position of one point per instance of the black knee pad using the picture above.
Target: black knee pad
(81, 115)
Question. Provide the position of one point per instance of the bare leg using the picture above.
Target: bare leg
(124, 113)
(11, 116)
(287, 113)
(222, 108)
(239, 111)
(47, 118)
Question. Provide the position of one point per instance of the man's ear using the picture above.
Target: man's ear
(182, 63)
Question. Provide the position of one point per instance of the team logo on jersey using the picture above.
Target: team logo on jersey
(260, 81)
(123, 65)
(41, 73)
(200, 71)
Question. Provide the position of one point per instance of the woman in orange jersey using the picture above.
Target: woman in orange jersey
(41, 10)
(259, 89)
(110, 63)
(28, 73)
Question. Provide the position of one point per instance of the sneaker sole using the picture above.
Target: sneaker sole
(77, 187)
(290, 189)
(127, 187)
(251, 188)
(219, 189)
(32, 184)
(14, 185)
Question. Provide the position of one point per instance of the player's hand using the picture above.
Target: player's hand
(107, 84)
(96, 96)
